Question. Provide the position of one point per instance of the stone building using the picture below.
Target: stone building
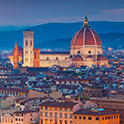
(86, 49)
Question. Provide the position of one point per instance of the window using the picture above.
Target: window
(60, 115)
(105, 118)
(47, 58)
(26, 52)
(51, 108)
(30, 114)
(26, 59)
(74, 81)
(79, 117)
(71, 116)
(66, 122)
(55, 108)
(97, 118)
(41, 121)
(16, 119)
(102, 118)
(117, 116)
(50, 114)
(114, 116)
(71, 109)
(60, 109)
(60, 121)
(84, 117)
(41, 114)
(51, 122)
(45, 108)
(11, 120)
(65, 115)
(46, 121)
(111, 117)
(56, 58)
(35, 55)
(89, 118)
(41, 107)
(108, 117)
(31, 42)
(65, 58)
(26, 43)
(75, 117)
(65, 109)
(45, 114)
(55, 115)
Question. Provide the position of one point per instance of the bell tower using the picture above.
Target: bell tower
(28, 48)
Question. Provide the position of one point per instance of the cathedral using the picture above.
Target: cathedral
(86, 49)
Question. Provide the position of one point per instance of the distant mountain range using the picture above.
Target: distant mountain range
(114, 40)
(54, 35)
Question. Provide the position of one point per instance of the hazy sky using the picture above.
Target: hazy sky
(21, 12)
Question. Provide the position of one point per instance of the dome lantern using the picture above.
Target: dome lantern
(85, 22)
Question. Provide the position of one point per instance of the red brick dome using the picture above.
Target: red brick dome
(77, 58)
(101, 58)
(85, 36)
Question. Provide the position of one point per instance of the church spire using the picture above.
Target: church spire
(85, 22)
(15, 56)
(16, 47)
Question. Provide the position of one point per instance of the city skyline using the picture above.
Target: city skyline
(38, 12)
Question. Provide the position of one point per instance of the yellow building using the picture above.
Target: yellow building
(96, 116)
(57, 112)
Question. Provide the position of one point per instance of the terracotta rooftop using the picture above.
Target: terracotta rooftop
(95, 113)
(24, 112)
(58, 104)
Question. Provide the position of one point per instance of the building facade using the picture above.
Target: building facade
(86, 49)
(95, 116)
(57, 112)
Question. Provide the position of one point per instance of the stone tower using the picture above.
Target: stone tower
(28, 48)
(15, 56)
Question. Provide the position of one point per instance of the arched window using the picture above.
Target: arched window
(35, 55)
(31, 43)
(26, 43)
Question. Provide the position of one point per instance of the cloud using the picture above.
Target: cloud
(113, 10)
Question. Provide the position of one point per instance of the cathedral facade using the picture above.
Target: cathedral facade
(86, 49)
